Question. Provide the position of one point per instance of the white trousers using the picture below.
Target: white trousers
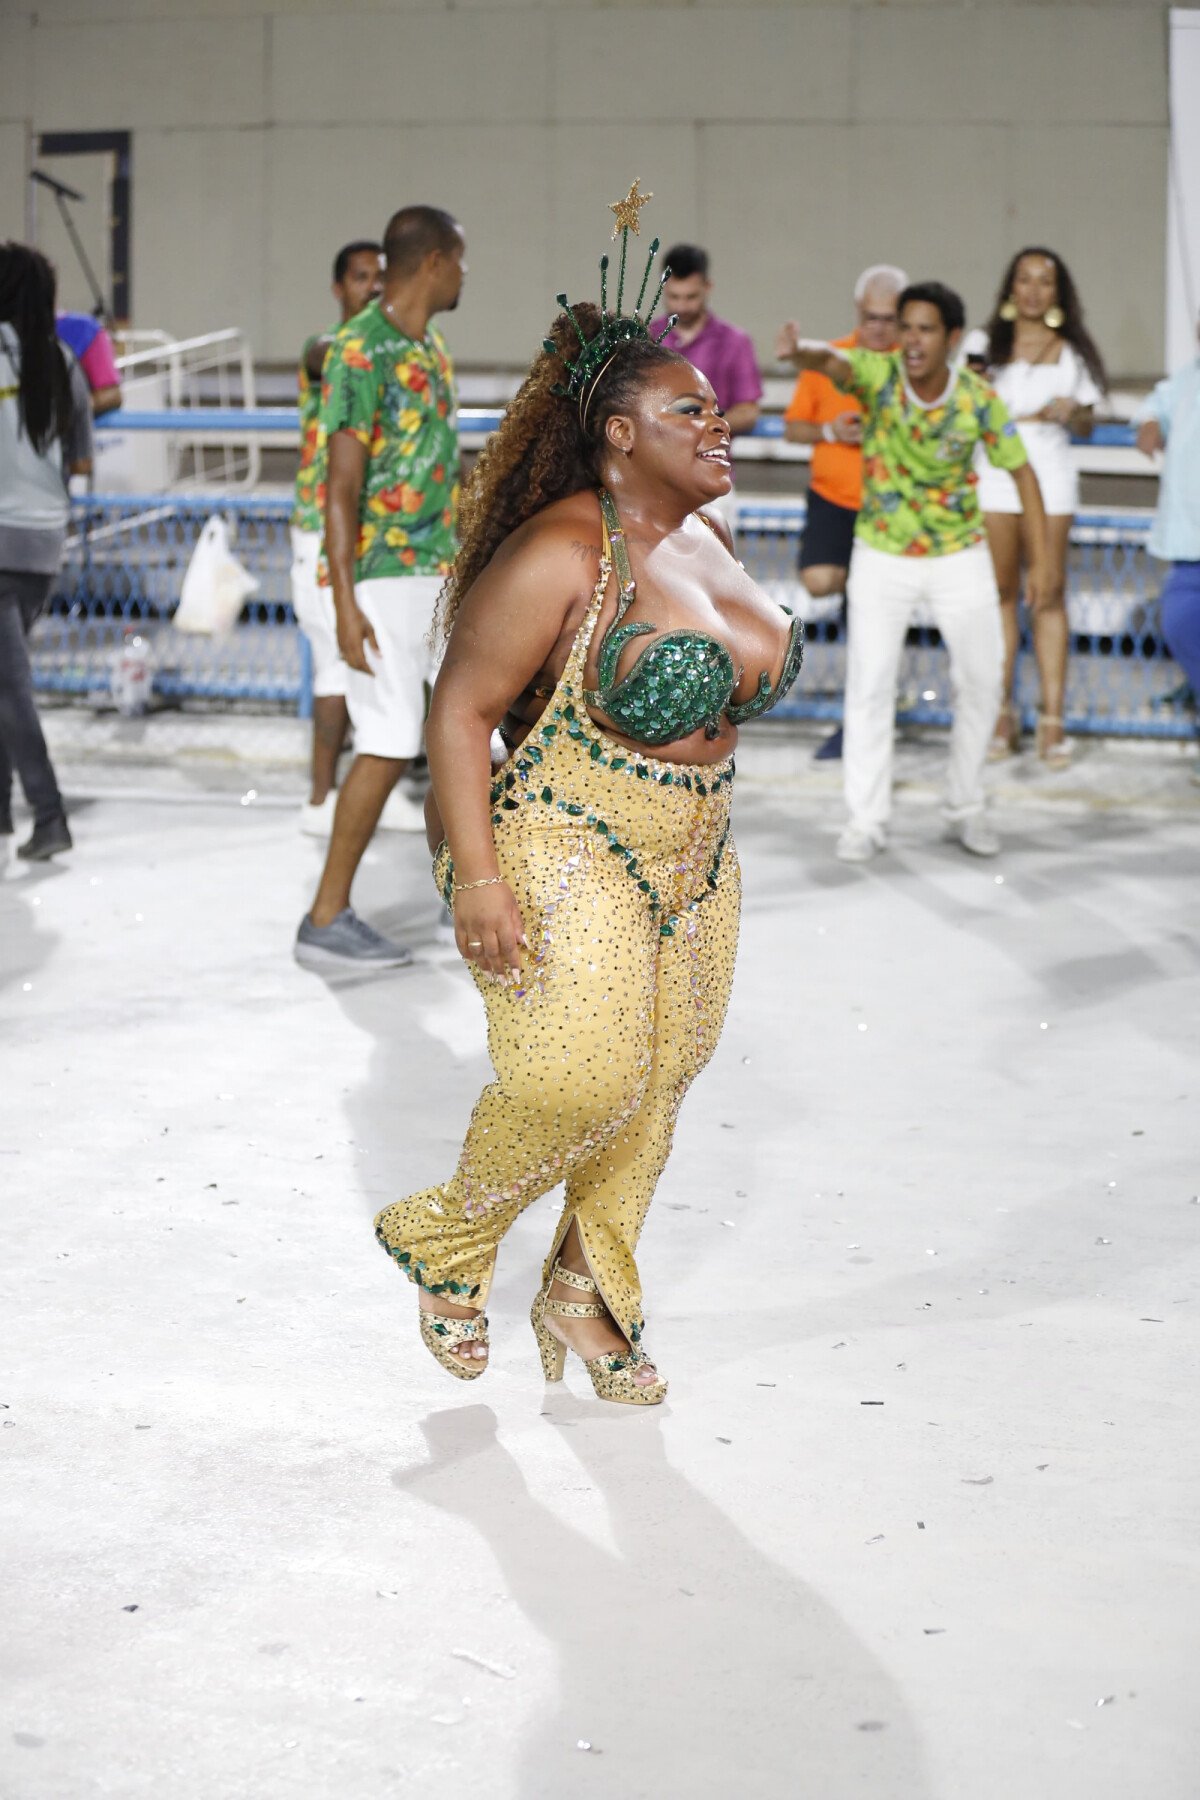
(960, 591)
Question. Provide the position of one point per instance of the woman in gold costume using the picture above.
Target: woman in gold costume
(594, 884)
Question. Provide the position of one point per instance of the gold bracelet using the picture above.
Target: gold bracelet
(460, 887)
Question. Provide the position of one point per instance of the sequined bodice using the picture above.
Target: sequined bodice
(685, 679)
(665, 823)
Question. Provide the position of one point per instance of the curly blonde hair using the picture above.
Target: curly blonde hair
(541, 452)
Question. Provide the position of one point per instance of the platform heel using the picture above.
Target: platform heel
(1056, 753)
(612, 1376)
(1006, 737)
(441, 1336)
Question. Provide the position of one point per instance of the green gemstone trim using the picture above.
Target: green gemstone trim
(416, 1273)
(679, 683)
(768, 696)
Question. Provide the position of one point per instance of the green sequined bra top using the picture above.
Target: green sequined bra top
(683, 681)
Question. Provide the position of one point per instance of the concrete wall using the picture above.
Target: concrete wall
(797, 141)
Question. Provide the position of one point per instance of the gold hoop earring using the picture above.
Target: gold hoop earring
(1008, 311)
(1053, 317)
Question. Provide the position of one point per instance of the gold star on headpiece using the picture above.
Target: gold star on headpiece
(627, 210)
(617, 327)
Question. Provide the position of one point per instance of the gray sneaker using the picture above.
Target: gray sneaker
(347, 941)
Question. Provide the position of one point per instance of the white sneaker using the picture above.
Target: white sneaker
(975, 835)
(317, 821)
(858, 844)
(402, 812)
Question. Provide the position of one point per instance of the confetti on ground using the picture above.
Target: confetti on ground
(481, 1662)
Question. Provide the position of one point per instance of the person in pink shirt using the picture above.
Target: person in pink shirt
(91, 346)
(719, 350)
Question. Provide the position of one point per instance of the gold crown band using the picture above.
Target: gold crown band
(585, 401)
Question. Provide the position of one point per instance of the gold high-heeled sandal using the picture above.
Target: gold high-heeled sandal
(441, 1337)
(612, 1376)
(1006, 738)
(1058, 754)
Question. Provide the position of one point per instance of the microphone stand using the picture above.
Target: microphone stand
(62, 194)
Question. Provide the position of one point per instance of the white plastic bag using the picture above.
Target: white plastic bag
(216, 585)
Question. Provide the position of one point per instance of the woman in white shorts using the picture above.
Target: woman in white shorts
(1038, 355)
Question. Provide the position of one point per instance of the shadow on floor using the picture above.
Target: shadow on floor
(688, 1660)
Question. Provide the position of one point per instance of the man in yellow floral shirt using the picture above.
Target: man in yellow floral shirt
(388, 449)
(357, 278)
(920, 538)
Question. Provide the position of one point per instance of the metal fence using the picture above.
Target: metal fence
(127, 556)
(122, 574)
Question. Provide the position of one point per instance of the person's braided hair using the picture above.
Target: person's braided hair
(541, 453)
(27, 290)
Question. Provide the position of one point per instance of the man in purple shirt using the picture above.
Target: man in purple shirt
(720, 351)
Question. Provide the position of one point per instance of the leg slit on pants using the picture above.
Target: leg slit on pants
(593, 1057)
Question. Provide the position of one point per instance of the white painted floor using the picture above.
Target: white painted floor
(919, 1519)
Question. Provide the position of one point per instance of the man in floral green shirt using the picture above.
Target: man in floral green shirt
(920, 538)
(388, 451)
(357, 278)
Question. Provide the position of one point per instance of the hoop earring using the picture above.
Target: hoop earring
(1008, 311)
(1053, 317)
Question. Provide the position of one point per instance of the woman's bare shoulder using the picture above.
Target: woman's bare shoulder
(564, 534)
(717, 525)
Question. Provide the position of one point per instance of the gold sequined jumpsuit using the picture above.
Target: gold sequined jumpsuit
(629, 887)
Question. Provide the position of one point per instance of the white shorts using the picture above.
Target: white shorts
(1051, 461)
(313, 606)
(387, 709)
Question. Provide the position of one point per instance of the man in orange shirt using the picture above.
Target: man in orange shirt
(821, 415)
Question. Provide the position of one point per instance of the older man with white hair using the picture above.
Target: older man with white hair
(831, 421)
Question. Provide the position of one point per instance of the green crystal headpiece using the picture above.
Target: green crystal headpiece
(618, 327)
